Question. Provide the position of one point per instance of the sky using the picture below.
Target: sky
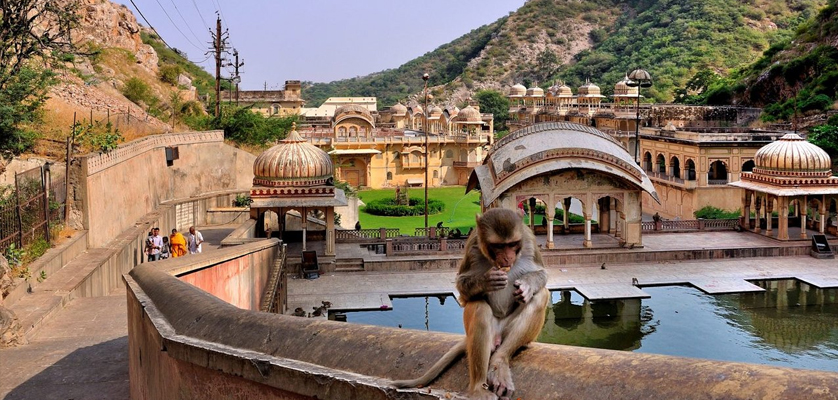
(315, 40)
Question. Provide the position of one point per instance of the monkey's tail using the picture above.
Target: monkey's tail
(436, 369)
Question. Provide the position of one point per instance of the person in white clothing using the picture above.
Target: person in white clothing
(194, 240)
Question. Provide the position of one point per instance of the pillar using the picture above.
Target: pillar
(758, 206)
(566, 205)
(769, 209)
(783, 222)
(330, 231)
(604, 216)
(803, 211)
(303, 220)
(746, 207)
(587, 242)
(550, 213)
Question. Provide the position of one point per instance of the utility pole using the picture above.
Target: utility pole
(237, 79)
(219, 41)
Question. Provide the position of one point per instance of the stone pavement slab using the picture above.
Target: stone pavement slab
(724, 286)
(616, 291)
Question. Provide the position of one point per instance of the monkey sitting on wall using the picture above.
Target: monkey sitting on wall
(499, 318)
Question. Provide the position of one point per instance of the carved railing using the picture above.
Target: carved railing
(689, 225)
(432, 231)
(366, 234)
(717, 182)
(412, 246)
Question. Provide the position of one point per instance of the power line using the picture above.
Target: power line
(184, 21)
(199, 14)
(159, 36)
(176, 27)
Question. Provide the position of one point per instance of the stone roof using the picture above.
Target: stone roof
(293, 162)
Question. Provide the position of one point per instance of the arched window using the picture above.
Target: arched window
(748, 166)
(675, 167)
(342, 131)
(436, 174)
(353, 131)
(660, 163)
(689, 170)
(389, 176)
(449, 153)
(717, 175)
(647, 161)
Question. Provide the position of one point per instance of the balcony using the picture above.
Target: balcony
(671, 180)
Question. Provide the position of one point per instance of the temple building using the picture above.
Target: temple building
(580, 163)
(295, 176)
(281, 103)
(794, 178)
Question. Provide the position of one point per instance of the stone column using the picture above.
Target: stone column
(769, 208)
(783, 228)
(303, 221)
(550, 213)
(758, 206)
(330, 231)
(746, 207)
(803, 211)
(604, 216)
(566, 205)
(587, 242)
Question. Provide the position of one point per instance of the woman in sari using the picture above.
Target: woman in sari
(177, 244)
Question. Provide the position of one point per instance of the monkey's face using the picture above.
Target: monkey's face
(504, 253)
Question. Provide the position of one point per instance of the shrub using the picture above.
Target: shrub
(389, 208)
(169, 73)
(136, 90)
(242, 200)
(710, 212)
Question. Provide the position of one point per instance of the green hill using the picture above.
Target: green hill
(546, 40)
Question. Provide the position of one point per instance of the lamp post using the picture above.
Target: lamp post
(638, 78)
(425, 78)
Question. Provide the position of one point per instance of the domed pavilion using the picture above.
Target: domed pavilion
(789, 174)
(554, 162)
(295, 175)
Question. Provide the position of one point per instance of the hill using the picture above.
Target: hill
(546, 40)
(798, 75)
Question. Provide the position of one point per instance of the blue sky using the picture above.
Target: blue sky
(317, 40)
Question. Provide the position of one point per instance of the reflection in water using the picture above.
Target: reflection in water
(790, 324)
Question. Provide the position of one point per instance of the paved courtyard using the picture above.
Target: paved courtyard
(81, 352)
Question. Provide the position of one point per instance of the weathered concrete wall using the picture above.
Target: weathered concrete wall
(238, 275)
(52, 261)
(116, 189)
(185, 343)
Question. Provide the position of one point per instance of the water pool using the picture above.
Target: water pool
(790, 324)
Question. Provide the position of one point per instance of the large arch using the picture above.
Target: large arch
(555, 160)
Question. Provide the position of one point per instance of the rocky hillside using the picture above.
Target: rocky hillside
(546, 40)
(797, 75)
(116, 75)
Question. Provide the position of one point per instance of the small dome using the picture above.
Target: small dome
(589, 89)
(399, 109)
(563, 90)
(292, 162)
(352, 109)
(469, 114)
(435, 111)
(518, 90)
(791, 155)
(535, 92)
(417, 109)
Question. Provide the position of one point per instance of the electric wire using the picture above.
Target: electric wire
(184, 21)
(176, 27)
(204, 21)
(159, 36)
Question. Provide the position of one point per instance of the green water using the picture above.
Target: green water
(791, 324)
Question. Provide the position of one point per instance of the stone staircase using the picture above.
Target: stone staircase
(349, 265)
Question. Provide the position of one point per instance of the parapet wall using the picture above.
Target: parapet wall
(186, 343)
(114, 190)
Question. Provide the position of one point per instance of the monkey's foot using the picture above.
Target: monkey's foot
(500, 378)
(481, 394)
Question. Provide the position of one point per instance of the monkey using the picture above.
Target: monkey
(299, 312)
(634, 281)
(499, 317)
(320, 311)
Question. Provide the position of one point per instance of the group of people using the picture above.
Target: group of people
(174, 245)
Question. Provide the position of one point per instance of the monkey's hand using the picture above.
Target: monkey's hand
(524, 292)
(496, 279)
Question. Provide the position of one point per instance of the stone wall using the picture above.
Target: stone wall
(186, 343)
(112, 191)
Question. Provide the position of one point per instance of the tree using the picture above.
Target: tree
(32, 33)
(825, 137)
(492, 101)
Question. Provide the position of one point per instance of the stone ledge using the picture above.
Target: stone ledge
(320, 359)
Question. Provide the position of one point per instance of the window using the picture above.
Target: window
(449, 153)
(389, 176)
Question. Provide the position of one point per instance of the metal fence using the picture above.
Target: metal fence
(26, 210)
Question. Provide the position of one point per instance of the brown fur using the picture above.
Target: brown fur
(498, 317)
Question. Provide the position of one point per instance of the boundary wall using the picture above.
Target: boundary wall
(186, 343)
(114, 190)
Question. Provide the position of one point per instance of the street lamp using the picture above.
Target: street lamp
(638, 78)
(425, 78)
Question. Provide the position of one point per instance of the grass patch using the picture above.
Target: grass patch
(455, 215)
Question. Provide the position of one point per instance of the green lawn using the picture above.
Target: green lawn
(459, 212)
